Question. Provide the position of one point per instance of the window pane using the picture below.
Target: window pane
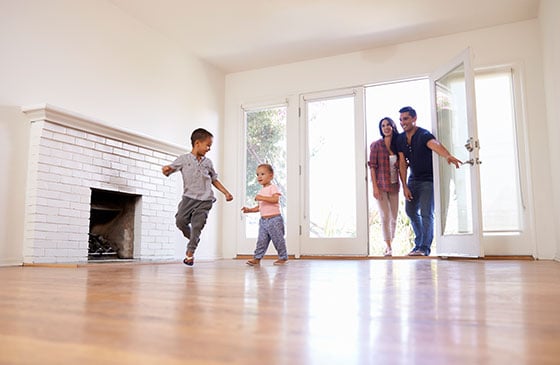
(266, 143)
(332, 168)
(499, 181)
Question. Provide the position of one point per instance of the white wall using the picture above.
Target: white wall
(550, 30)
(90, 58)
(519, 43)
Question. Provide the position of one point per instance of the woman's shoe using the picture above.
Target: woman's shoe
(388, 252)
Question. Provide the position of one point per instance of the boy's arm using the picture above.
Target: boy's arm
(167, 170)
(218, 185)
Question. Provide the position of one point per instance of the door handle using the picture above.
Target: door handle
(469, 145)
(473, 162)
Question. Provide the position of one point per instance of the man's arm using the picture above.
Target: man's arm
(403, 167)
(440, 149)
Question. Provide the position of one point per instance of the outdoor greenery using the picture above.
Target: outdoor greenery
(266, 143)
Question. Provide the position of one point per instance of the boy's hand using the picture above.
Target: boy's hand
(229, 197)
(166, 170)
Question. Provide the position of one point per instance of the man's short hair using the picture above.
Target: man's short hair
(408, 109)
(200, 134)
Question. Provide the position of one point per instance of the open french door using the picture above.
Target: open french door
(456, 191)
(334, 214)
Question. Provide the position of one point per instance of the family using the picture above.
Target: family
(390, 158)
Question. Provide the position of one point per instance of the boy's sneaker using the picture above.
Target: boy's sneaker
(280, 262)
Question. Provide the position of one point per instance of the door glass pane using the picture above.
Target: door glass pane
(499, 179)
(455, 184)
(266, 143)
(332, 168)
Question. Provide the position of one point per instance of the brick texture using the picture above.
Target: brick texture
(65, 164)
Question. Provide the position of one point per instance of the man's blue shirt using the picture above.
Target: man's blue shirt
(417, 154)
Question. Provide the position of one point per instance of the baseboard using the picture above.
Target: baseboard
(515, 257)
(11, 262)
(266, 257)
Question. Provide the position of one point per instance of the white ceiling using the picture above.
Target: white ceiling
(237, 35)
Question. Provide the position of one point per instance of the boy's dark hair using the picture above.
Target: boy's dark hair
(408, 109)
(267, 166)
(200, 134)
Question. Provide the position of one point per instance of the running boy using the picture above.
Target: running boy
(271, 224)
(198, 197)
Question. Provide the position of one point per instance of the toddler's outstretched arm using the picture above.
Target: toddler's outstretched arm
(250, 210)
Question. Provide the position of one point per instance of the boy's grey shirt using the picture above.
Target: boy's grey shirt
(197, 176)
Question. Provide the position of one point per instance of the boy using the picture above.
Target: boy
(198, 197)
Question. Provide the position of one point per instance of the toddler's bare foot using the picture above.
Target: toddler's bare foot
(253, 262)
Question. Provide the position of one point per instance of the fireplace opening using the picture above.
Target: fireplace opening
(111, 225)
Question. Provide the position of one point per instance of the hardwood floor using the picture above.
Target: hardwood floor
(307, 312)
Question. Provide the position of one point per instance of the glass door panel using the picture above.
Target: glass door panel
(334, 218)
(332, 180)
(457, 191)
(452, 131)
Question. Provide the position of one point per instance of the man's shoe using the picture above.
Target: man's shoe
(416, 253)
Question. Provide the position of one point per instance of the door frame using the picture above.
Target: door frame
(355, 246)
(459, 245)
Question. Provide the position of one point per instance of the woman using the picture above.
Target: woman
(383, 163)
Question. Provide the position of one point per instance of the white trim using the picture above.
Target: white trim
(70, 119)
(252, 107)
(330, 94)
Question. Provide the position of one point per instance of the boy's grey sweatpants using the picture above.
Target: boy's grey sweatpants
(190, 219)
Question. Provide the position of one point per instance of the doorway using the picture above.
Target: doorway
(385, 100)
(503, 183)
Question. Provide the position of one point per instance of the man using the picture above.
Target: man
(415, 148)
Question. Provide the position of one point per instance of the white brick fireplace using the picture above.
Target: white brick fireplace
(71, 154)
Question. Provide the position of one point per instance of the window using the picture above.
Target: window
(265, 135)
(499, 172)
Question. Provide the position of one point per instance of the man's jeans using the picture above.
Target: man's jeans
(420, 210)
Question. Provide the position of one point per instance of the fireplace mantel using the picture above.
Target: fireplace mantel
(60, 116)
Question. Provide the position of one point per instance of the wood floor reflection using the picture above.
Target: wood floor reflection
(307, 312)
